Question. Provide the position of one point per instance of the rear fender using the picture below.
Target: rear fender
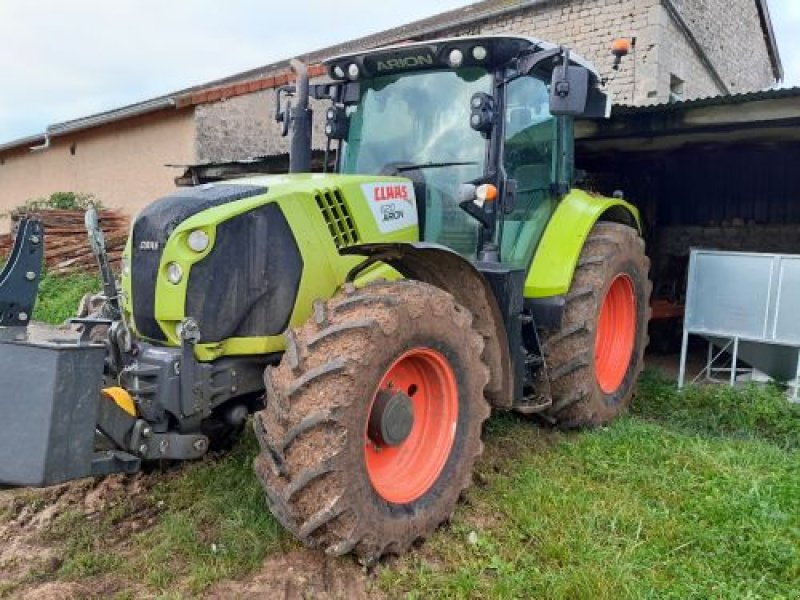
(556, 257)
(440, 266)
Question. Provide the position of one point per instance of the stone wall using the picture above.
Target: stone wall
(731, 34)
(674, 57)
(244, 127)
(589, 27)
(662, 62)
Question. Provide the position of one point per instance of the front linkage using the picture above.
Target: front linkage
(49, 437)
(102, 402)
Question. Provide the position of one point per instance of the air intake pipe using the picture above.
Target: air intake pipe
(301, 121)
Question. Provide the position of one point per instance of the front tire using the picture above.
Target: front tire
(594, 359)
(329, 475)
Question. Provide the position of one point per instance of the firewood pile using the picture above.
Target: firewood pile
(66, 248)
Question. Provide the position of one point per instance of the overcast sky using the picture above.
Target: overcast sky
(63, 59)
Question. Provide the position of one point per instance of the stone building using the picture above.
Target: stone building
(682, 49)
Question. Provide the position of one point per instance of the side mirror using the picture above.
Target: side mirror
(569, 91)
(283, 110)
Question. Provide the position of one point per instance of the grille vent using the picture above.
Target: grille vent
(340, 224)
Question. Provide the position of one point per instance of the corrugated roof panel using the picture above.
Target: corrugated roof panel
(770, 94)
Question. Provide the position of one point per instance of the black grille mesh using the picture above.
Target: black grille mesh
(336, 214)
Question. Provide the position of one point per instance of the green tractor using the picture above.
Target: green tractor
(371, 315)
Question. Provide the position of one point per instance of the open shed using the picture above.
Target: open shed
(721, 173)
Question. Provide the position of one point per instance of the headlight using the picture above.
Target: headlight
(338, 72)
(479, 53)
(353, 71)
(198, 240)
(174, 273)
(455, 58)
(126, 266)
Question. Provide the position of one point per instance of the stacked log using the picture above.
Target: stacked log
(67, 248)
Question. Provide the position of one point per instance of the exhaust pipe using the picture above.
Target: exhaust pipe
(300, 145)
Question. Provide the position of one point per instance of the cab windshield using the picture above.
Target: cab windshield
(416, 125)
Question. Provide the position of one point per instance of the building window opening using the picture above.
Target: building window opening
(677, 89)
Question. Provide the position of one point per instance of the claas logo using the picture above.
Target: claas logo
(382, 193)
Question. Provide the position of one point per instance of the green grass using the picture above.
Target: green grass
(59, 296)
(752, 412)
(674, 501)
(215, 524)
(679, 503)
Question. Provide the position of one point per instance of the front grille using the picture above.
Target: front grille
(247, 284)
(336, 214)
(152, 230)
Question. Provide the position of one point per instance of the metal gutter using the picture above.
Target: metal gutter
(126, 112)
(39, 138)
(43, 146)
(772, 42)
(41, 141)
(669, 5)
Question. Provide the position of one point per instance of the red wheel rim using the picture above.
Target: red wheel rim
(403, 473)
(616, 334)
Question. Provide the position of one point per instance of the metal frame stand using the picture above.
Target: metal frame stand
(709, 370)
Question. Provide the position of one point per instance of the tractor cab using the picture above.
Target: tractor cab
(481, 125)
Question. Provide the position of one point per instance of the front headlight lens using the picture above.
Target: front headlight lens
(353, 71)
(174, 273)
(198, 240)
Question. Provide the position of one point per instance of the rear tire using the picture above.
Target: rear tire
(594, 359)
(326, 479)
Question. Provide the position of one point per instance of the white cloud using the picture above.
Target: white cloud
(62, 60)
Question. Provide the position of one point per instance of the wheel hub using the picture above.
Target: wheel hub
(392, 418)
(411, 425)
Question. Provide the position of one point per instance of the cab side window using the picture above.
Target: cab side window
(529, 158)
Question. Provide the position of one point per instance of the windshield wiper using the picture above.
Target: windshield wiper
(432, 165)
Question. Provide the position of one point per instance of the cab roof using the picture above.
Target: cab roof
(500, 49)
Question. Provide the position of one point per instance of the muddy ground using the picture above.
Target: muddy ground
(31, 555)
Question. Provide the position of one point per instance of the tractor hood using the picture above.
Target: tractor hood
(236, 256)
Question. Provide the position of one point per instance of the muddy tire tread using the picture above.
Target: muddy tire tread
(569, 352)
(303, 429)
